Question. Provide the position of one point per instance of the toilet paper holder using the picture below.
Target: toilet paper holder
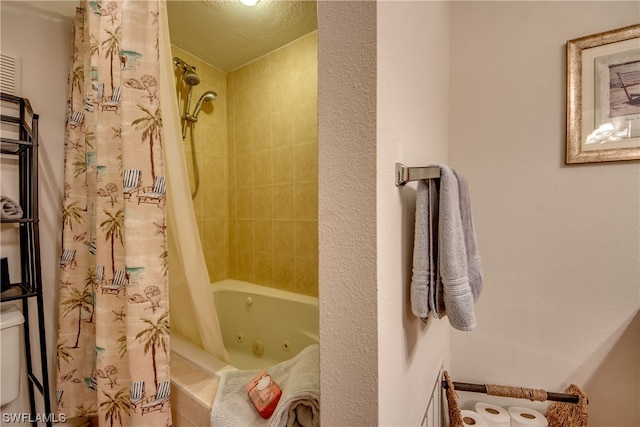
(517, 392)
(571, 405)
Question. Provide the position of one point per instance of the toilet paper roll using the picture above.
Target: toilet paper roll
(472, 418)
(494, 415)
(521, 417)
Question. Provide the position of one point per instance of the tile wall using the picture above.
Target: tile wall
(273, 169)
(257, 146)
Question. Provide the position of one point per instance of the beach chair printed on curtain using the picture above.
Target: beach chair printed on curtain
(155, 194)
(136, 394)
(68, 258)
(112, 103)
(118, 283)
(99, 275)
(99, 88)
(76, 119)
(131, 182)
(155, 403)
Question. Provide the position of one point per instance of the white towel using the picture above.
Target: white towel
(9, 209)
(299, 405)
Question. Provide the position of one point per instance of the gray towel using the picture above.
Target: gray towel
(424, 289)
(9, 208)
(452, 259)
(299, 405)
(474, 264)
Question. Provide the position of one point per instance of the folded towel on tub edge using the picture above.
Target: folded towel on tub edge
(299, 405)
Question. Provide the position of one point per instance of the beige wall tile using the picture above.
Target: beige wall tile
(261, 133)
(244, 203)
(283, 238)
(263, 202)
(306, 239)
(283, 201)
(284, 272)
(306, 162)
(283, 165)
(272, 165)
(264, 269)
(306, 200)
(263, 236)
(306, 276)
(282, 129)
(244, 239)
(262, 168)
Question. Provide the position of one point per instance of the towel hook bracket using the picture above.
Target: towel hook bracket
(405, 174)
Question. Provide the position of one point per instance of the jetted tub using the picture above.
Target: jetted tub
(261, 326)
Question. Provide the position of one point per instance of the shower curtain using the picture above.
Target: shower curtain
(193, 313)
(113, 333)
(124, 232)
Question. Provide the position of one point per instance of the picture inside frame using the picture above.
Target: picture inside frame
(611, 106)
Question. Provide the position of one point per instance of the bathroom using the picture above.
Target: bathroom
(559, 243)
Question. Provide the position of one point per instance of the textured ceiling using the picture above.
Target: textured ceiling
(228, 34)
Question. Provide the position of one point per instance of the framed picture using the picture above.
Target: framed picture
(603, 97)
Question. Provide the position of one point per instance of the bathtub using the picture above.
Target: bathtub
(261, 326)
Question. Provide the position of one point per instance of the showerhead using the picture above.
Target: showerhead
(208, 96)
(189, 75)
(191, 78)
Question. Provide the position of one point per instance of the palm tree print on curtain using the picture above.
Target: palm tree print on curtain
(113, 314)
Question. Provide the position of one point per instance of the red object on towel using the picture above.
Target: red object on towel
(264, 393)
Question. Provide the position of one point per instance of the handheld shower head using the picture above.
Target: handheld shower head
(208, 96)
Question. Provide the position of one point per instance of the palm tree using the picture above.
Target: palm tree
(77, 79)
(89, 138)
(94, 45)
(72, 213)
(155, 336)
(151, 126)
(80, 300)
(63, 353)
(83, 412)
(112, 45)
(79, 165)
(90, 285)
(113, 226)
(115, 406)
(122, 343)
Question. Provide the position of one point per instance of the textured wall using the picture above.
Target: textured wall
(347, 212)
(273, 169)
(412, 120)
(560, 244)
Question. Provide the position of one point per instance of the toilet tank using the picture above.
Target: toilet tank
(10, 320)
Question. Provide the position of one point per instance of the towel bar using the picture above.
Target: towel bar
(405, 174)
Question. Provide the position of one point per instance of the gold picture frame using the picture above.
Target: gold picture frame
(603, 97)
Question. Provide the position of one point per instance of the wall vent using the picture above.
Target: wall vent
(10, 74)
